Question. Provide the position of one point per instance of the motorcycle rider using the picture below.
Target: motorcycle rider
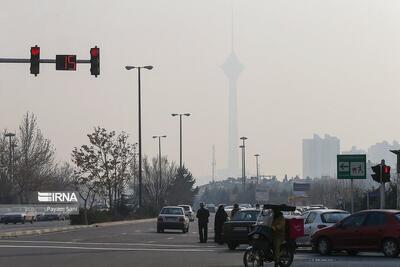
(278, 234)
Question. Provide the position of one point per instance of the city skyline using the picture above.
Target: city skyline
(301, 77)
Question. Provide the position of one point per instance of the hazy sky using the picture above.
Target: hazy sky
(310, 67)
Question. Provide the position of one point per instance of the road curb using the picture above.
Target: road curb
(41, 231)
(68, 228)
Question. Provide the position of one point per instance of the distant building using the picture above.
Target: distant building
(381, 151)
(319, 156)
(354, 150)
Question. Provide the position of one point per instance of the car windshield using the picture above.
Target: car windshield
(246, 215)
(172, 211)
(333, 217)
(397, 215)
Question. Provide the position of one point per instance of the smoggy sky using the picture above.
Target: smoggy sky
(310, 67)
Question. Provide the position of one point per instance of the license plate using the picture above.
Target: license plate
(240, 229)
(171, 220)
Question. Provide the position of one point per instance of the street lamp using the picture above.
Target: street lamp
(180, 134)
(257, 155)
(10, 136)
(243, 138)
(140, 127)
(159, 163)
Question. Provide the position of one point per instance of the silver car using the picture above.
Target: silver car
(318, 219)
(188, 212)
(172, 217)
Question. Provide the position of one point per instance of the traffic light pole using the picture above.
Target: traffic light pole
(397, 152)
(352, 194)
(382, 202)
(27, 60)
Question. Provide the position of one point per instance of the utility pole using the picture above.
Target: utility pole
(213, 163)
(11, 166)
(257, 155)
(139, 128)
(243, 147)
(382, 204)
(180, 134)
(159, 163)
(397, 152)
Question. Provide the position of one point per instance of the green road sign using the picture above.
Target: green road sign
(351, 166)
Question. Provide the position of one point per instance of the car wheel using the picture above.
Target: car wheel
(352, 252)
(232, 246)
(390, 248)
(158, 230)
(323, 246)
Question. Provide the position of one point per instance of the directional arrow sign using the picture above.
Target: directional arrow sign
(351, 166)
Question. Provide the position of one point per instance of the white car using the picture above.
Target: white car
(188, 211)
(172, 217)
(318, 219)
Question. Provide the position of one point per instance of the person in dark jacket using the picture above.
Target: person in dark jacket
(278, 234)
(235, 209)
(202, 218)
(220, 218)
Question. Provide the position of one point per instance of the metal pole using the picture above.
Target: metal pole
(397, 152)
(180, 149)
(352, 195)
(140, 141)
(244, 167)
(382, 206)
(257, 155)
(159, 159)
(367, 200)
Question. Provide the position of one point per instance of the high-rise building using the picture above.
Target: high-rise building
(381, 151)
(319, 156)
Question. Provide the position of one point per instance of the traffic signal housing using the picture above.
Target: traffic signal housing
(95, 61)
(35, 60)
(378, 177)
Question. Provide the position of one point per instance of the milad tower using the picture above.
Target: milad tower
(232, 69)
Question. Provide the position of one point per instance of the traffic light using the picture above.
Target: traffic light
(376, 176)
(386, 173)
(95, 61)
(377, 173)
(35, 60)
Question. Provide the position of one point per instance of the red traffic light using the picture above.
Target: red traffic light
(386, 169)
(94, 52)
(35, 51)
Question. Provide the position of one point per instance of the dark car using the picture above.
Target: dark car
(236, 230)
(371, 230)
(17, 218)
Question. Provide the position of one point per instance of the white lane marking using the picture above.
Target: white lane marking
(123, 233)
(171, 238)
(111, 249)
(102, 243)
(151, 242)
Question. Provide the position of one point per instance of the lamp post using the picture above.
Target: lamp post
(257, 155)
(140, 127)
(10, 136)
(180, 134)
(159, 163)
(243, 138)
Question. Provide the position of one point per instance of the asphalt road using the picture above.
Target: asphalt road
(139, 245)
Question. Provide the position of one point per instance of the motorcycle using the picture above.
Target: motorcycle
(261, 251)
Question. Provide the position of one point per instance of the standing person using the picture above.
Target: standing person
(257, 206)
(235, 209)
(202, 217)
(278, 234)
(220, 218)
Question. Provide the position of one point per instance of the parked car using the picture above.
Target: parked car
(236, 230)
(315, 220)
(370, 230)
(211, 208)
(172, 217)
(188, 212)
(17, 217)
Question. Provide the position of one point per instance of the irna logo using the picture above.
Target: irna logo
(57, 197)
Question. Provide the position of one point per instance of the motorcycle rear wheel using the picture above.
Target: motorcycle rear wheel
(252, 258)
(286, 257)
